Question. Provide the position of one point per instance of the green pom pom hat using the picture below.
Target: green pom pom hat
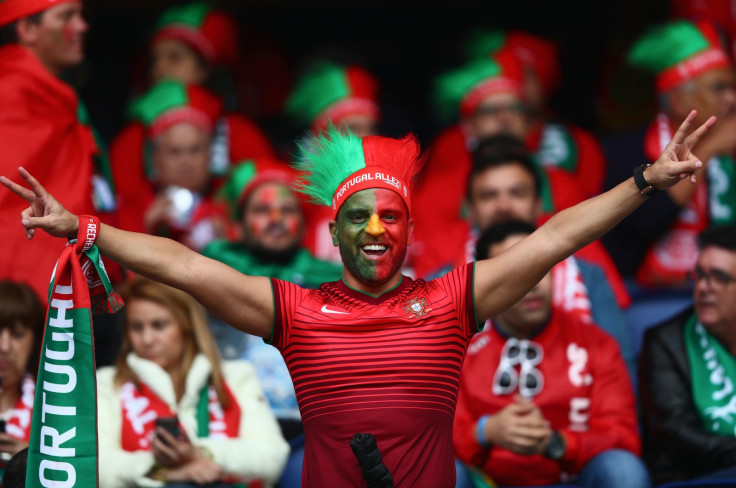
(538, 53)
(170, 102)
(464, 88)
(211, 33)
(678, 52)
(328, 92)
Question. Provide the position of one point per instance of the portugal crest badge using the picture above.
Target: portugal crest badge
(416, 307)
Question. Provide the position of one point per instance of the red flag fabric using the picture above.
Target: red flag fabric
(40, 131)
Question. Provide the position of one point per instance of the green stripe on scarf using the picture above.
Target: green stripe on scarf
(545, 189)
(712, 369)
(103, 203)
(63, 446)
(722, 190)
(557, 148)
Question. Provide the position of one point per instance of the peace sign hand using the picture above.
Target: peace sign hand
(677, 161)
(44, 211)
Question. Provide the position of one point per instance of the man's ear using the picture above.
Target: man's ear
(333, 233)
(27, 31)
(411, 231)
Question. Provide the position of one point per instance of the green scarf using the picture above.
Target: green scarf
(722, 190)
(303, 269)
(63, 446)
(712, 371)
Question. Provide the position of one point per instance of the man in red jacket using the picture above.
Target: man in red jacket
(544, 397)
(41, 124)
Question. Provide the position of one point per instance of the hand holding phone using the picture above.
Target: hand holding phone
(170, 424)
(172, 453)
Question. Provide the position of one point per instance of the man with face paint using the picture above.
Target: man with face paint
(375, 352)
(43, 125)
(270, 219)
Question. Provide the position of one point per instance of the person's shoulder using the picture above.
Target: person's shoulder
(238, 369)
(106, 371)
(216, 248)
(105, 377)
(314, 263)
(242, 123)
(480, 341)
(668, 328)
(572, 324)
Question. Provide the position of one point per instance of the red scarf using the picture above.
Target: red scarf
(141, 408)
(671, 256)
(18, 425)
(569, 292)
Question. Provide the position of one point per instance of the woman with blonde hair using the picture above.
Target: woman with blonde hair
(171, 413)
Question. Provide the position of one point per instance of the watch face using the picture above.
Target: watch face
(555, 448)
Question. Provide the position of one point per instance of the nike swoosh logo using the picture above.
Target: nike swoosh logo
(327, 310)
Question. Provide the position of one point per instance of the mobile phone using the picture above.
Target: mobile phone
(171, 424)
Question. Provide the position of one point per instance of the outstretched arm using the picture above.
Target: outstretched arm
(503, 280)
(245, 302)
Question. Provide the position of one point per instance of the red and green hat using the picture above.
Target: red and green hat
(336, 165)
(213, 34)
(249, 174)
(464, 88)
(679, 52)
(538, 53)
(170, 102)
(12, 10)
(328, 92)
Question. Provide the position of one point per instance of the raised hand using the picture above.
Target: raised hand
(44, 211)
(677, 161)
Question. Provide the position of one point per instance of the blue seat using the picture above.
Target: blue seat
(715, 483)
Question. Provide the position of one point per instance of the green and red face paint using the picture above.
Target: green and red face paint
(373, 229)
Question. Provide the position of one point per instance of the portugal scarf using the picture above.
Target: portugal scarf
(712, 376)
(141, 407)
(63, 443)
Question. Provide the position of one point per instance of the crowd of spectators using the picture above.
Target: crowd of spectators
(551, 390)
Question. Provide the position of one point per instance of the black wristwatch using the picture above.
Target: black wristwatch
(644, 188)
(555, 448)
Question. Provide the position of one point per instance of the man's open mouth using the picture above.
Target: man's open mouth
(374, 249)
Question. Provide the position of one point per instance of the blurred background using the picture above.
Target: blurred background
(405, 44)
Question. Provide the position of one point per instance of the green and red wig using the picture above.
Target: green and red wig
(337, 165)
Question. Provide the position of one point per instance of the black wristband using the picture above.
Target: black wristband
(644, 188)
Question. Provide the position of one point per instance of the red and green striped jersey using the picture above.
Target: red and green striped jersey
(389, 366)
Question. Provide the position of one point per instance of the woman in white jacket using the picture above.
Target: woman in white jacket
(224, 433)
